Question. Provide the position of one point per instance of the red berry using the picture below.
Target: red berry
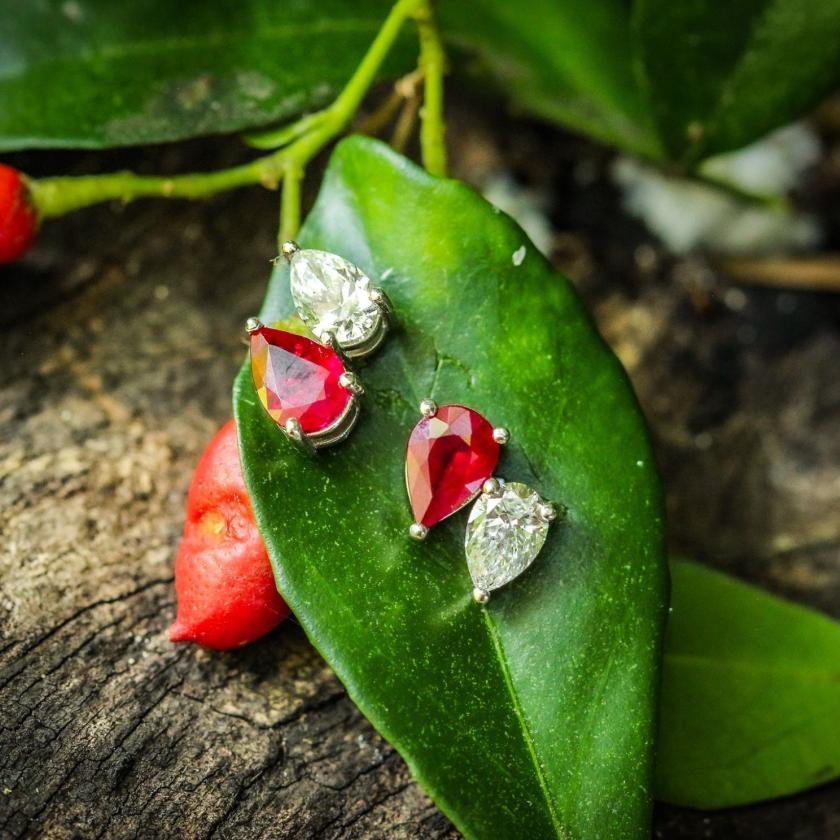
(18, 219)
(226, 591)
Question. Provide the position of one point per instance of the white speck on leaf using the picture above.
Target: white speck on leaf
(519, 255)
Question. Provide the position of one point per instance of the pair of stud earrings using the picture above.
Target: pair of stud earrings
(307, 388)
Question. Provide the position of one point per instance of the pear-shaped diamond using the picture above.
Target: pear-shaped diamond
(505, 532)
(332, 295)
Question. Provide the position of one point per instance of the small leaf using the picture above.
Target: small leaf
(750, 694)
(533, 716)
(95, 73)
(721, 75)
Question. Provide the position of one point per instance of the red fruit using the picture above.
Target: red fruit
(18, 219)
(226, 591)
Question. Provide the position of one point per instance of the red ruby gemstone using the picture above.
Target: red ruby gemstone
(296, 377)
(449, 457)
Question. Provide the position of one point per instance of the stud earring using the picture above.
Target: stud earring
(506, 530)
(337, 301)
(307, 387)
(451, 452)
(450, 459)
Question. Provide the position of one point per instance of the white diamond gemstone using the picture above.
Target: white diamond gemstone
(333, 295)
(505, 532)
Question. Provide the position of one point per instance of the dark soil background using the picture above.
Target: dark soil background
(119, 337)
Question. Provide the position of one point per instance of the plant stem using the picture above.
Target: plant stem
(277, 137)
(290, 205)
(769, 201)
(56, 196)
(433, 64)
(298, 154)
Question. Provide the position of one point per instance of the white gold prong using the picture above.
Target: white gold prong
(481, 596)
(289, 249)
(328, 339)
(547, 512)
(501, 435)
(382, 300)
(295, 433)
(490, 487)
(350, 382)
(428, 408)
(252, 325)
(417, 531)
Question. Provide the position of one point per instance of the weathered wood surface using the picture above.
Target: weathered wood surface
(120, 338)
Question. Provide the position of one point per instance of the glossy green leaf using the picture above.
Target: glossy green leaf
(750, 694)
(532, 717)
(720, 75)
(571, 62)
(96, 73)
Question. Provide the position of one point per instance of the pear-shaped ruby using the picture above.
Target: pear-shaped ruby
(296, 377)
(449, 457)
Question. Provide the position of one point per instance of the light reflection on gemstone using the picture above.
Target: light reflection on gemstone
(449, 456)
(297, 378)
(333, 295)
(505, 532)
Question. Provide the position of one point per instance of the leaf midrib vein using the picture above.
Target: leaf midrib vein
(523, 722)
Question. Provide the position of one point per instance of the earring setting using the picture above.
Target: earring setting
(451, 452)
(307, 386)
(337, 301)
(304, 386)
(506, 529)
(450, 459)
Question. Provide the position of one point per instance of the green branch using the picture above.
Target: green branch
(57, 196)
(335, 118)
(433, 65)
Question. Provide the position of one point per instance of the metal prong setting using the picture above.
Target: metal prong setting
(491, 487)
(252, 325)
(378, 296)
(328, 339)
(547, 512)
(335, 433)
(418, 531)
(369, 343)
(294, 431)
(481, 596)
(289, 249)
(501, 435)
(428, 408)
(350, 382)
(383, 323)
